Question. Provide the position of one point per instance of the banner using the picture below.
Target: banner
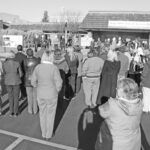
(12, 41)
(129, 24)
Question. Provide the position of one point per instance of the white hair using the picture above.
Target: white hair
(112, 55)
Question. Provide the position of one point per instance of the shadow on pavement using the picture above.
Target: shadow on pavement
(22, 106)
(88, 129)
(60, 110)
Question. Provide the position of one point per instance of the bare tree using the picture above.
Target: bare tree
(71, 19)
(45, 16)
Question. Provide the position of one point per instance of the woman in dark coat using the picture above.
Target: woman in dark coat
(109, 78)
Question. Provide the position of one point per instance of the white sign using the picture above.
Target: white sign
(129, 24)
(86, 41)
(12, 40)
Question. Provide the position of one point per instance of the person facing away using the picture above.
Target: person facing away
(79, 55)
(60, 62)
(123, 115)
(46, 78)
(20, 57)
(109, 78)
(124, 64)
(91, 72)
(30, 63)
(12, 79)
(72, 62)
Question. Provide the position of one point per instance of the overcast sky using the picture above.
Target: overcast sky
(32, 10)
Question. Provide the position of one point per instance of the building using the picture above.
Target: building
(3, 25)
(47, 27)
(125, 24)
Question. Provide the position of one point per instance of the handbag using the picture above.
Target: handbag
(88, 117)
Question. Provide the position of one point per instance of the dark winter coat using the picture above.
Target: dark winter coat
(108, 80)
(20, 57)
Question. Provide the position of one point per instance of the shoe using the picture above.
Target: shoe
(30, 112)
(74, 97)
(16, 115)
(65, 98)
(48, 139)
(11, 114)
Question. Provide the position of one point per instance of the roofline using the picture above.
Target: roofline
(40, 23)
(116, 30)
(119, 11)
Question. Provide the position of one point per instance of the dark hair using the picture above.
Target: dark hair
(57, 51)
(19, 48)
(29, 52)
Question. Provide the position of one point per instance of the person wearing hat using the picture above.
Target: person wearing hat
(12, 79)
(30, 63)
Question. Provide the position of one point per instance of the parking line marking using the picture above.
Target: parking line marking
(23, 137)
(14, 144)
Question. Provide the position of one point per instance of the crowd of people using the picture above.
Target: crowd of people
(114, 73)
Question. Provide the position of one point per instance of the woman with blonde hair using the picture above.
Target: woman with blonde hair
(122, 115)
(109, 77)
(46, 78)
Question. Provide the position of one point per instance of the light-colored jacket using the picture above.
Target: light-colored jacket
(46, 78)
(92, 67)
(123, 120)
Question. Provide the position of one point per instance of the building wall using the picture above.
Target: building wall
(108, 34)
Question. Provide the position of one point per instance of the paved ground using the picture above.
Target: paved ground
(23, 132)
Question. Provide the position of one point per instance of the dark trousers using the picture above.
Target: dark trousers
(23, 88)
(13, 95)
(72, 82)
(78, 84)
(63, 89)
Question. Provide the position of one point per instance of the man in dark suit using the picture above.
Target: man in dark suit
(12, 80)
(20, 57)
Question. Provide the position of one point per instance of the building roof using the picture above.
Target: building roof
(100, 20)
(49, 27)
(3, 25)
